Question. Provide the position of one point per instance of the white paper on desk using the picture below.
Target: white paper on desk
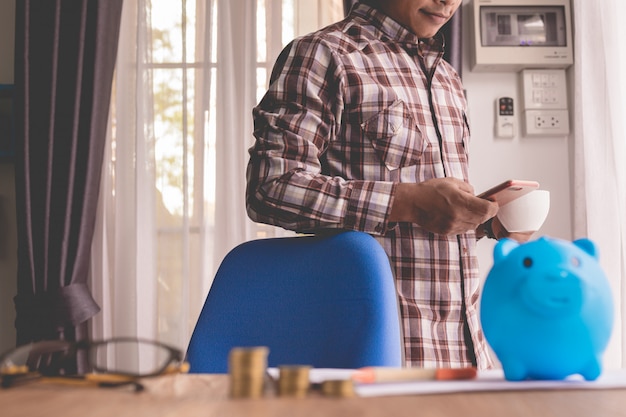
(492, 380)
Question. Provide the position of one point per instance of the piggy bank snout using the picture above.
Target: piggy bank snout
(553, 294)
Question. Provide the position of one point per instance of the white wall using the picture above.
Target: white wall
(492, 160)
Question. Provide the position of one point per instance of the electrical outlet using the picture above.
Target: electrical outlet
(547, 122)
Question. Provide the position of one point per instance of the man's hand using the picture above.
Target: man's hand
(500, 232)
(441, 205)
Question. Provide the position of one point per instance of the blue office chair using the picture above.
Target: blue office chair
(326, 301)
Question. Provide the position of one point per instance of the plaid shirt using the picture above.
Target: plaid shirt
(352, 110)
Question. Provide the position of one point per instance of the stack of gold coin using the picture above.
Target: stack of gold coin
(343, 388)
(293, 381)
(247, 367)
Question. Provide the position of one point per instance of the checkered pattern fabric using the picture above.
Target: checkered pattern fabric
(351, 111)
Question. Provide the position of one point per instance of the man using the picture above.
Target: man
(364, 127)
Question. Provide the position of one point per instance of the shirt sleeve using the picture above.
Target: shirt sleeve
(287, 183)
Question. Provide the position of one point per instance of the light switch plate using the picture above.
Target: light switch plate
(544, 89)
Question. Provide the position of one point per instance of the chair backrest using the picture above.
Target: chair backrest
(326, 301)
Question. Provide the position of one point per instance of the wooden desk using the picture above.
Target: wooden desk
(206, 396)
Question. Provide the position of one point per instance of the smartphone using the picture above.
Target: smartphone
(509, 190)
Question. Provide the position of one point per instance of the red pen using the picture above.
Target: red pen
(370, 375)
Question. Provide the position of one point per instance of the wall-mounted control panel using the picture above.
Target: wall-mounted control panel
(509, 35)
(505, 117)
(544, 99)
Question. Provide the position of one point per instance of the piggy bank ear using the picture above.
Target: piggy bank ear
(588, 246)
(503, 248)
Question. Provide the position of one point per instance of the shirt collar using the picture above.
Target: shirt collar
(395, 31)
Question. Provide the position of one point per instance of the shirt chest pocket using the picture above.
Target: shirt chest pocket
(395, 136)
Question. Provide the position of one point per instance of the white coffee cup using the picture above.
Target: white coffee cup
(526, 213)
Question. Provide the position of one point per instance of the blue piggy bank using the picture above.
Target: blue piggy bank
(546, 309)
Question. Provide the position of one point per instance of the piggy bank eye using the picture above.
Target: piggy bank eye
(528, 262)
(575, 261)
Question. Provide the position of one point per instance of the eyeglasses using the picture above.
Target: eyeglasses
(114, 362)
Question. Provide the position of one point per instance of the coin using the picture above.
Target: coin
(247, 367)
(293, 380)
(343, 388)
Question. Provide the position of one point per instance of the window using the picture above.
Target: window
(194, 62)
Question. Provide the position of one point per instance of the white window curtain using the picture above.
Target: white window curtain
(600, 147)
(172, 205)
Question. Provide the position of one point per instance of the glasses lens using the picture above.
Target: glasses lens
(130, 357)
(46, 357)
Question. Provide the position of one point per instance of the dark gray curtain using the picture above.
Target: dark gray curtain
(347, 5)
(64, 60)
(452, 32)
